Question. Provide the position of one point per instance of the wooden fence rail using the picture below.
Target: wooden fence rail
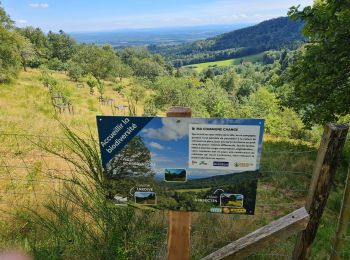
(263, 237)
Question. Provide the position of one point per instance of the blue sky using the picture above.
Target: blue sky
(104, 15)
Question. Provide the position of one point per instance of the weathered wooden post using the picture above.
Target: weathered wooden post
(179, 226)
(328, 157)
(343, 221)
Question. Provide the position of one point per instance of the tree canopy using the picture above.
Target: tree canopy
(319, 81)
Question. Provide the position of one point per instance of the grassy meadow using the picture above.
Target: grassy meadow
(35, 199)
(199, 67)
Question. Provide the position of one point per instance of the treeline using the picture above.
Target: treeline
(273, 34)
(21, 48)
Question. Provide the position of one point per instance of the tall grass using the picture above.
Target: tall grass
(79, 223)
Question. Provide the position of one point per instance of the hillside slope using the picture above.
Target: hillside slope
(271, 34)
(276, 33)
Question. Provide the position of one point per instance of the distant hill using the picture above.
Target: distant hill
(276, 33)
(218, 181)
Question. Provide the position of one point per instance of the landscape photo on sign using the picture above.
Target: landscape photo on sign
(188, 164)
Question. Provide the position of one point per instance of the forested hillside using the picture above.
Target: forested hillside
(273, 34)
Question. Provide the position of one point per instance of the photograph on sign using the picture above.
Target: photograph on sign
(187, 164)
(174, 175)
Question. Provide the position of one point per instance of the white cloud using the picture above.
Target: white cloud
(156, 146)
(21, 21)
(39, 5)
(175, 128)
(172, 130)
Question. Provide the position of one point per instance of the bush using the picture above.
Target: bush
(118, 88)
(56, 64)
(75, 72)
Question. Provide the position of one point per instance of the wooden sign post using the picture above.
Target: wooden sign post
(179, 226)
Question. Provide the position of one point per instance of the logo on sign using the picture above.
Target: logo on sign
(223, 164)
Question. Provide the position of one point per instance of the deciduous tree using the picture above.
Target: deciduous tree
(319, 81)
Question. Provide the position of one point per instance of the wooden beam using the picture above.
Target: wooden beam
(328, 157)
(179, 227)
(179, 234)
(263, 237)
(179, 112)
(343, 222)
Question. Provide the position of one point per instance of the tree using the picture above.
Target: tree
(215, 99)
(62, 46)
(91, 82)
(230, 81)
(319, 79)
(279, 121)
(40, 45)
(123, 71)
(101, 62)
(149, 108)
(147, 68)
(10, 55)
(5, 20)
(26, 50)
(134, 160)
(75, 72)
(10, 58)
(138, 93)
(101, 87)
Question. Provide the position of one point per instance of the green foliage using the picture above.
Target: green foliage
(319, 79)
(172, 91)
(138, 93)
(91, 82)
(101, 87)
(40, 45)
(5, 20)
(120, 167)
(101, 62)
(118, 88)
(150, 108)
(215, 99)
(123, 71)
(75, 72)
(144, 64)
(46, 78)
(10, 58)
(230, 81)
(15, 50)
(62, 46)
(56, 64)
(147, 68)
(279, 122)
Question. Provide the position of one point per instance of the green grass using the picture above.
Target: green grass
(199, 67)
